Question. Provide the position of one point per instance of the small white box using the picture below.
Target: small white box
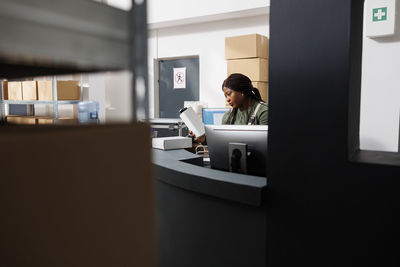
(174, 142)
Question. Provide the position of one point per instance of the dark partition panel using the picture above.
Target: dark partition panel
(323, 210)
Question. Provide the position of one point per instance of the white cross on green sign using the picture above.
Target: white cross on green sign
(379, 14)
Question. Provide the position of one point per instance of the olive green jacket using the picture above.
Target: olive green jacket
(243, 116)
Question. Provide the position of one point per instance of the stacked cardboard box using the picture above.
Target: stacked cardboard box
(29, 90)
(12, 90)
(66, 90)
(35, 120)
(248, 55)
(24, 120)
(60, 121)
(41, 90)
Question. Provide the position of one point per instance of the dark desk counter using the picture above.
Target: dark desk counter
(207, 217)
(178, 168)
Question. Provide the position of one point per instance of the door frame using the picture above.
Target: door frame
(157, 80)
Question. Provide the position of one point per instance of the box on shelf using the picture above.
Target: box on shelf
(246, 46)
(5, 90)
(66, 90)
(45, 121)
(24, 120)
(60, 121)
(45, 90)
(13, 90)
(29, 90)
(254, 68)
(67, 121)
(263, 88)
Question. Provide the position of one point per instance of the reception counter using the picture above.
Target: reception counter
(215, 217)
(185, 170)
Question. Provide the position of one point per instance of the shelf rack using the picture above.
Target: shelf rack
(32, 103)
(52, 37)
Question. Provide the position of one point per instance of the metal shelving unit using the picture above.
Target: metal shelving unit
(31, 103)
(50, 37)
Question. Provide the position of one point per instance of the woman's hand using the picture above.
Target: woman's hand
(200, 139)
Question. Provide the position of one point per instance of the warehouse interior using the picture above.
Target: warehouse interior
(90, 89)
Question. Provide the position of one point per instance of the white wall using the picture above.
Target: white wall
(211, 22)
(167, 10)
(380, 93)
(207, 40)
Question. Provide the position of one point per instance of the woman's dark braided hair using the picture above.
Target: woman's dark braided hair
(240, 83)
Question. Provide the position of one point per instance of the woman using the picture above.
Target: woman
(247, 106)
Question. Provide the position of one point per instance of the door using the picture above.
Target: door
(178, 82)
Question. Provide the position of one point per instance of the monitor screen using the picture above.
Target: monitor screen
(254, 136)
(213, 116)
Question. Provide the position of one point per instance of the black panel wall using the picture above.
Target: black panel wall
(322, 209)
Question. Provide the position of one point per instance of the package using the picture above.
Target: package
(51, 177)
(254, 68)
(174, 142)
(263, 88)
(13, 90)
(67, 121)
(24, 120)
(45, 90)
(45, 121)
(60, 121)
(29, 90)
(66, 90)
(246, 46)
(5, 90)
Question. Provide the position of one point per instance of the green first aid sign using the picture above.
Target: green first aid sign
(379, 14)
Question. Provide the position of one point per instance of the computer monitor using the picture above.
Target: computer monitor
(255, 137)
(213, 116)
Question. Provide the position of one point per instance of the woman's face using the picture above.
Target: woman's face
(234, 98)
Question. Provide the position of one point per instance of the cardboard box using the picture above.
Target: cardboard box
(45, 90)
(53, 188)
(173, 142)
(263, 88)
(66, 90)
(60, 121)
(45, 121)
(246, 46)
(29, 90)
(21, 120)
(254, 68)
(14, 90)
(67, 121)
(5, 90)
